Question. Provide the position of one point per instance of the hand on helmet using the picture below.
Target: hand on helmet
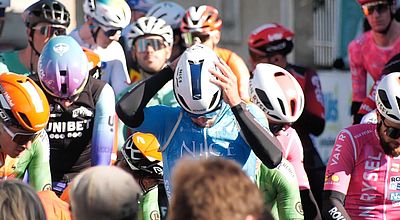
(227, 81)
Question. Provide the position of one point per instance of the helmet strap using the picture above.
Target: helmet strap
(95, 34)
(34, 52)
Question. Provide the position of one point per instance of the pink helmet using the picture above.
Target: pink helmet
(277, 93)
(361, 2)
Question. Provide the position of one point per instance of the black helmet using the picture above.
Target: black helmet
(47, 11)
(141, 153)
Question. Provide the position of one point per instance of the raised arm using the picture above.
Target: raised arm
(264, 144)
(130, 107)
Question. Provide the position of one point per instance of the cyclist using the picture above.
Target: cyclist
(280, 96)
(104, 20)
(271, 43)
(24, 112)
(369, 52)
(202, 24)
(141, 158)
(172, 13)
(43, 20)
(362, 173)
(81, 127)
(202, 124)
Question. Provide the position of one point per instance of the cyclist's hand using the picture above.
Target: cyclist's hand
(227, 81)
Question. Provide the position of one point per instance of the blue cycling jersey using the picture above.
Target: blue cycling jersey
(179, 137)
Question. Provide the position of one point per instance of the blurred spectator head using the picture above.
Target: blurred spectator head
(385, 9)
(104, 192)
(19, 201)
(213, 188)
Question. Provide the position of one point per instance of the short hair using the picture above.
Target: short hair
(213, 189)
(104, 192)
(19, 201)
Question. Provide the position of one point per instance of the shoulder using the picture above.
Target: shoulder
(360, 41)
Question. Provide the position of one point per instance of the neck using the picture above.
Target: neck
(85, 34)
(389, 38)
(25, 57)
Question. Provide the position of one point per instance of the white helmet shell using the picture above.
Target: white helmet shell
(277, 93)
(170, 12)
(193, 89)
(151, 26)
(387, 97)
(114, 14)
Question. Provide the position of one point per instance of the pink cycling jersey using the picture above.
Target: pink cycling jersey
(365, 56)
(370, 179)
(292, 150)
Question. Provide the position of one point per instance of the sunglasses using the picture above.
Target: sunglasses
(49, 30)
(19, 137)
(391, 132)
(380, 7)
(192, 38)
(112, 33)
(142, 44)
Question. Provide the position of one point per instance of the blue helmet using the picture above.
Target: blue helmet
(63, 67)
(141, 5)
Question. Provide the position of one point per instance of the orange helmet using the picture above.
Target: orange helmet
(94, 62)
(203, 18)
(23, 103)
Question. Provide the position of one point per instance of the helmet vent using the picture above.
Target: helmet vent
(63, 72)
(398, 102)
(282, 106)
(25, 119)
(277, 74)
(385, 101)
(214, 98)
(393, 116)
(264, 99)
(182, 101)
(292, 107)
(195, 70)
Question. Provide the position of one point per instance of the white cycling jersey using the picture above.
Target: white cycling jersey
(113, 63)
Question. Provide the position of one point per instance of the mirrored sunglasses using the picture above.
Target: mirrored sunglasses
(391, 132)
(142, 44)
(380, 7)
(49, 30)
(19, 137)
(191, 38)
(112, 33)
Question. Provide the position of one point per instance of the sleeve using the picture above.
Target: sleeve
(313, 117)
(239, 68)
(264, 144)
(288, 195)
(39, 166)
(118, 72)
(358, 73)
(332, 206)
(130, 107)
(295, 157)
(341, 163)
(104, 128)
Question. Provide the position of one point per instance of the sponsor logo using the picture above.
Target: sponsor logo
(395, 196)
(336, 214)
(61, 48)
(82, 112)
(299, 208)
(394, 186)
(155, 215)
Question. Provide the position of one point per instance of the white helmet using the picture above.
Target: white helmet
(110, 14)
(171, 12)
(151, 26)
(387, 97)
(193, 89)
(277, 93)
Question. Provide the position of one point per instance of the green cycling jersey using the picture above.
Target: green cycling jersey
(35, 160)
(280, 190)
(154, 204)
